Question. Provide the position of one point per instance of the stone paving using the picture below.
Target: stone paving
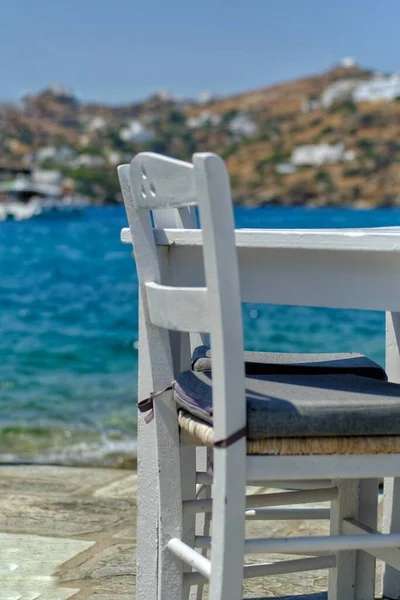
(71, 533)
(67, 532)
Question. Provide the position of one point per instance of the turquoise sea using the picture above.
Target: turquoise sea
(68, 330)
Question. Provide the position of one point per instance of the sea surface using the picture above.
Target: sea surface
(68, 330)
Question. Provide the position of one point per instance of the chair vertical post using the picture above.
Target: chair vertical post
(147, 519)
(342, 578)
(353, 578)
(159, 463)
(391, 500)
(182, 345)
(147, 512)
(368, 515)
(229, 409)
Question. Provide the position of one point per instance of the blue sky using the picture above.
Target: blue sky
(122, 50)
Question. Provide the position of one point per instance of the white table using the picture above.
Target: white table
(338, 268)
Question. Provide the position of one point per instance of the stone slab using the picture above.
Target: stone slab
(71, 533)
(28, 566)
(45, 480)
(122, 488)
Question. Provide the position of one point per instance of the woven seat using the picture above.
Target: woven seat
(302, 406)
(262, 363)
(203, 435)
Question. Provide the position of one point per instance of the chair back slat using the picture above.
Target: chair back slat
(178, 309)
(162, 182)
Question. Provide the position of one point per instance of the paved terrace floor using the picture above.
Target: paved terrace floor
(71, 533)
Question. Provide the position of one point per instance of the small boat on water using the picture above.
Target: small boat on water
(39, 195)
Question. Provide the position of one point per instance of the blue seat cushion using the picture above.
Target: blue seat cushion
(292, 405)
(262, 363)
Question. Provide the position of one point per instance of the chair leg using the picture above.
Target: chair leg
(203, 520)
(203, 527)
(188, 479)
(147, 514)
(354, 576)
(391, 524)
(170, 568)
(228, 522)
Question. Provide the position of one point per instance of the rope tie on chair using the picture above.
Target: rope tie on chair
(148, 405)
(231, 439)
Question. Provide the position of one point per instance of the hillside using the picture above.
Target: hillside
(330, 139)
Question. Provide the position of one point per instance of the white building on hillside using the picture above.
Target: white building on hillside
(348, 62)
(378, 88)
(136, 132)
(114, 157)
(339, 91)
(310, 104)
(88, 160)
(285, 168)
(164, 95)
(205, 97)
(60, 156)
(204, 118)
(95, 123)
(243, 125)
(320, 154)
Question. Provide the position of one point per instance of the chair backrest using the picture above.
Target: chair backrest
(154, 183)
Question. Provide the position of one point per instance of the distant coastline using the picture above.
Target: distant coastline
(331, 139)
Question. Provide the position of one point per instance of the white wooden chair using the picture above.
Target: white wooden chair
(173, 297)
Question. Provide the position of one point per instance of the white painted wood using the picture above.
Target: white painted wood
(203, 527)
(391, 524)
(294, 485)
(222, 278)
(361, 466)
(182, 349)
(348, 580)
(204, 542)
(393, 346)
(390, 556)
(188, 485)
(391, 489)
(190, 556)
(156, 359)
(287, 514)
(162, 182)
(329, 543)
(304, 278)
(264, 500)
(179, 309)
(170, 572)
(307, 268)
(205, 478)
(367, 513)
(279, 568)
(316, 544)
(158, 183)
(352, 240)
(147, 512)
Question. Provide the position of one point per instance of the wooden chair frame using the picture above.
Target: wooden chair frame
(173, 297)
